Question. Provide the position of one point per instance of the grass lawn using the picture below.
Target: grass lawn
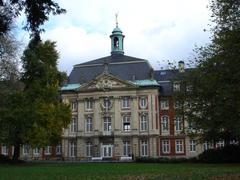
(33, 171)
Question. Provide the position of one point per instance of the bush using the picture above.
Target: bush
(227, 154)
(4, 159)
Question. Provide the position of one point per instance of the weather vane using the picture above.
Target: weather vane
(116, 19)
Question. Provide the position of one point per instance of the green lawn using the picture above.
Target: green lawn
(119, 171)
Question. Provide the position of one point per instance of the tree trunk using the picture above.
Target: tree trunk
(16, 154)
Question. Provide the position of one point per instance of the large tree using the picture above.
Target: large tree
(36, 115)
(216, 79)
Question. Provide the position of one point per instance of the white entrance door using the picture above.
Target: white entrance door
(107, 150)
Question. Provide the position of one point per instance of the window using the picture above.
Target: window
(5, 150)
(107, 125)
(220, 144)
(144, 148)
(178, 124)
(165, 123)
(73, 126)
(176, 86)
(192, 144)
(143, 102)
(125, 103)
(189, 88)
(74, 105)
(58, 150)
(177, 104)
(126, 148)
(179, 146)
(165, 146)
(88, 149)
(126, 123)
(26, 149)
(72, 148)
(48, 150)
(88, 104)
(164, 104)
(143, 122)
(89, 124)
(206, 146)
(106, 103)
(36, 151)
(192, 126)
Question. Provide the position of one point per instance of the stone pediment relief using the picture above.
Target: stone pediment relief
(107, 82)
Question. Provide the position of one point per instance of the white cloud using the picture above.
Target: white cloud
(155, 29)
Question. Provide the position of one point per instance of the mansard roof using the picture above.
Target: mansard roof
(119, 65)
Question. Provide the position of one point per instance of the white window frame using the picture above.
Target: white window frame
(207, 145)
(26, 149)
(89, 124)
(126, 122)
(165, 123)
(72, 148)
(106, 103)
(220, 144)
(165, 146)
(36, 152)
(89, 149)
(177, 104)
(107, 124)
(4, 150)
(59, 149)
(48, 150)
(73, 125)
(178, 124)
(143, 102)
(179, 146)
(88, 104)
(176, 86)
(125, 103)
(164, 104)
(192, 145)
(74, 106)
(126, 148)
(144, 148)
(143, 122)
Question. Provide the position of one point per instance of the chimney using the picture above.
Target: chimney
(181, 66)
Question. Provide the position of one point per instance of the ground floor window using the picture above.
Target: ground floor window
(192, 144)
(207, 145)
(166, 146)
(144, 148)
(126, 148)
(72, 149)
(5, 150)
(48, 150)
(88, 149)
(36, 151)
(26, 149)
(179, 146)
(58, 150)
(220, 144)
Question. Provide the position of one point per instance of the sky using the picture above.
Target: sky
(156, 30)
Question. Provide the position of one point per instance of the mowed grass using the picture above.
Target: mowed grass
(33, 171)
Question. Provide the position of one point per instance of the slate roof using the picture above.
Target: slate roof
(121, 66)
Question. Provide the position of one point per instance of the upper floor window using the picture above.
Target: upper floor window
(125, 103)
(88, 104)
(164, 104)
(73, 125)
(107, 124)
(143, 122)
(165, 123)
(177, 104)
(176, 86)
(178, 124)
(74, 105)
(89, 124)
(106, 103)
(189, 88)
(126, 123)
(179, 146)
(143, 102)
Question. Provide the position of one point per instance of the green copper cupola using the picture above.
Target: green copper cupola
(117, 40)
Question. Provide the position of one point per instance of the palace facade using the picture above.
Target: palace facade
(121, 109)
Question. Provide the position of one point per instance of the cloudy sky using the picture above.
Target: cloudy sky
(156, 30)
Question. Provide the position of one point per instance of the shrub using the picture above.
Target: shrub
(227, 154)
(4, 159)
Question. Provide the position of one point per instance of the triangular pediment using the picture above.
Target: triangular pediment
(107, 82)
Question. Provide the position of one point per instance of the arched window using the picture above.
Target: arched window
(116, 42)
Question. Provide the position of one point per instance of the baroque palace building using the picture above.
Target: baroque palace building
(121, 109)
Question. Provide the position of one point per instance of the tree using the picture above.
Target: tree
(36, 115)
(215, 94)
(37, 12)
